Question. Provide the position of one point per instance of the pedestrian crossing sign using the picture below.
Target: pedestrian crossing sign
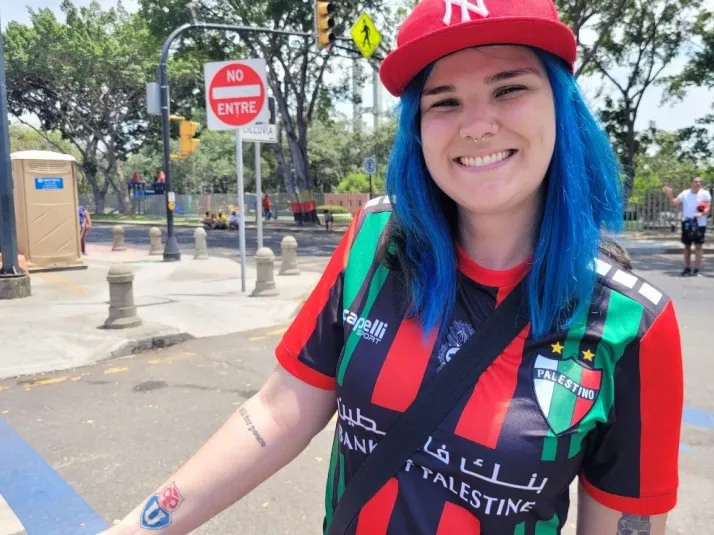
(366, 36)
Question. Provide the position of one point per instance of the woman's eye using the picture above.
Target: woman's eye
(445, 103)
(509, 90)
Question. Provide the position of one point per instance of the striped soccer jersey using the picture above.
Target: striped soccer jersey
(601, 401)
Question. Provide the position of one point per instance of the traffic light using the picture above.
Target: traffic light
(324, 23)
(187, 143)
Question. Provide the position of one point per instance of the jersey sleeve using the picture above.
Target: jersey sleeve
(631, 465)
(312, 345)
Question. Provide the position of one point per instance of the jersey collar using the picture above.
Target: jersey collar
(490, 277)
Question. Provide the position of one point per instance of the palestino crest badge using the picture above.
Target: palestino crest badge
(565, 391)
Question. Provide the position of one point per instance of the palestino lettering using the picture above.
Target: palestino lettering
(371, 330)
(159, 508)
(475, 498)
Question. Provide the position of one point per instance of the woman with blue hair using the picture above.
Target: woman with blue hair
(500, 181)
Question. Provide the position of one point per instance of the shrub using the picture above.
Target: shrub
(332, 209)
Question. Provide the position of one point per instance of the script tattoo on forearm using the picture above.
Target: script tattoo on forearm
(634, 525)
(246, 418)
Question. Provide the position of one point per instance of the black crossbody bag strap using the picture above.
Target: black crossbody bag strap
(411, 430)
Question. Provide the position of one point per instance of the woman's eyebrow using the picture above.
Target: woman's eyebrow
(438, 90)
(507, 75)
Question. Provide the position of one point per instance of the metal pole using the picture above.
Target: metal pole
(241, 207)
(171, 252)
(8, 229)
(259, 195)
(376, 99)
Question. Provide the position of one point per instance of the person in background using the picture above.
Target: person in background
(234, 222)
(267, 205)
(85, 225)
(222, 221)
(328, 220)
(207, 221)
(696, 205)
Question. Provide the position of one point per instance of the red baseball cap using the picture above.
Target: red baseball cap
(437, 28)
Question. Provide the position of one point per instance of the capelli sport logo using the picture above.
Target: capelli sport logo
(371, 330)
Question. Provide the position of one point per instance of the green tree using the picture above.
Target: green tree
(644, 40)
(84, 78)
(297, 72)
(358, 182)
(591, 23)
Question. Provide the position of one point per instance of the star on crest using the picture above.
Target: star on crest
(588, 355)
(557, 348)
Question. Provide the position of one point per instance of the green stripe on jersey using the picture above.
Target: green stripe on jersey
(547, 527)
(362, 255)
(520, 529)
(375, 286)
(571, 348)
(622, 323)
(330, 487)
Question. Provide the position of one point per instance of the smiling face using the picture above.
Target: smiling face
(488, 128)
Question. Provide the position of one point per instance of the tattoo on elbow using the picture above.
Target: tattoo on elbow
(634, 525)
(160, 508)
(251, 428)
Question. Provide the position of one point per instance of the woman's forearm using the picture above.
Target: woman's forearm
(254, 443)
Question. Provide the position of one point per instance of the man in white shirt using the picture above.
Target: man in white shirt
(696, 205)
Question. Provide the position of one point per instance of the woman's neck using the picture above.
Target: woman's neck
(499, 241)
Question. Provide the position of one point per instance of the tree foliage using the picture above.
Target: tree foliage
(645, 39)
(84, 78)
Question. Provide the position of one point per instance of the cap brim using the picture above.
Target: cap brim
(404, 63)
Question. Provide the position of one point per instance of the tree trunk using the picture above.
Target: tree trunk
(90, 173)
(629, 163)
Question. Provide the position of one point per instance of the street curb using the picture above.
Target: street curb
(160, 341)
(253, 226)
(665, 251)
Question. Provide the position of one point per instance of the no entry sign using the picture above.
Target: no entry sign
(236, 94)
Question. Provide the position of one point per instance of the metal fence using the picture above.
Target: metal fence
(652, 213)
(655, 213)
(195, 206)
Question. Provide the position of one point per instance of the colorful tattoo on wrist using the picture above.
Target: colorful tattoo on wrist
(159, 509)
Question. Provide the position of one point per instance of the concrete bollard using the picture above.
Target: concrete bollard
(122, 312)
(288, 250)
(199, 235)
(265, 285)
(155, 240)
(118, 244)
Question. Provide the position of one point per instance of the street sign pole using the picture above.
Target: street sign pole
(241, 207)
(259, 195)
(171, 251)
(8, 229)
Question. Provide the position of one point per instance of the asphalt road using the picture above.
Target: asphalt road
(226, 242)
(116, 430)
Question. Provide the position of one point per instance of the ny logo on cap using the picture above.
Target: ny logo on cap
(466, 6)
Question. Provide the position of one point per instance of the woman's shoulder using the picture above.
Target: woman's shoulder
(627, 292)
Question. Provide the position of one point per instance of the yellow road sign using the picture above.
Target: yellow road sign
(366, 35)
(172, 205)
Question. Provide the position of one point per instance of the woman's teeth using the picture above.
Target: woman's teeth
(486, 160)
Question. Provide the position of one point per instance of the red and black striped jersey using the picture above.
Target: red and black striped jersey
(601, 401)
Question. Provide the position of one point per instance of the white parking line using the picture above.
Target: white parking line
(9, 523)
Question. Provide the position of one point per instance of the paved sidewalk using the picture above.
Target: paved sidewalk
(61, 325)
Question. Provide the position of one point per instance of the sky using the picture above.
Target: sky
(697, 103)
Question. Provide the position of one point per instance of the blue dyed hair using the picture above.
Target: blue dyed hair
(582, 200)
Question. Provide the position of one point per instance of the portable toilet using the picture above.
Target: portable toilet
(47, 209)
